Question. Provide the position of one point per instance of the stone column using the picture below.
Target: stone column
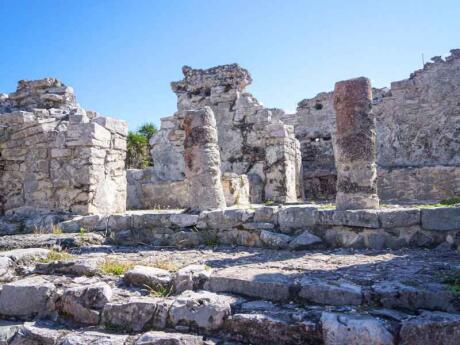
(354, 145)
(202, 160)
(281, 163)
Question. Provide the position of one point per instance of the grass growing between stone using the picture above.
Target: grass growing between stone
(159, 290)
(453, 279)
(115, 267)
(166, 265)
(54, 255)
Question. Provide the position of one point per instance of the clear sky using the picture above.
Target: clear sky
(120, 56)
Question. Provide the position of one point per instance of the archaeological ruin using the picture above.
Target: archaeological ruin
(338, 224)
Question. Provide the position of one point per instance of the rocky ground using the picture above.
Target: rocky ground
(70, 289)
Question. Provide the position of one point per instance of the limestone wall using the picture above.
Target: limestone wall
(418, 136)
(242, 124)
(56, 156)
(146, 191)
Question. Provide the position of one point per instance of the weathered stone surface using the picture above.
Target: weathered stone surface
(55, 157)
(263, 284)
(344, 329)
(36, 334)
(202, 160)
(137, 314)
(91, 337)
(304, 241)
(27, 298)
(354, 148)
(296, 217)
(191, 277)
(275, 240)
(201, 309)
(76, 267)
(236, 189)
(8, 330)
(28, 254)
(330, 293)
(162, 338)
(394, 294)
(447, 218)
(431, 328)
(266, 214)
(261, 328)
(282, 150)
(84, 303)
(359, 218)
(242, 125)
(393, 218)
(148, 276)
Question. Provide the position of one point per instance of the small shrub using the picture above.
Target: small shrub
(56, 230)
(82, 231)
(269, 202)
(166, 265)
(115, 267)
(159, 290)
(54, 255)
(450, 201)
(453, 279)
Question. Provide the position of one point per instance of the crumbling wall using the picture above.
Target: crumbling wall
(56, 156)
(418, 136)
(242, 124)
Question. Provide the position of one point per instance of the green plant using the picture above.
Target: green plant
(269, 202)
(166, 265)
(115, 267)
(82, 231)
(138, 155)
(450, 201)
(452, 278)
(54, 255)
(56, 230)
(159, 290)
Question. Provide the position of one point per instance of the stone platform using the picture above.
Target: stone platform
(281, 227)
(93, 293)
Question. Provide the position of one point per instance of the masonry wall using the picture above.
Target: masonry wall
(56, 156)
(418, 136)
(242, 124)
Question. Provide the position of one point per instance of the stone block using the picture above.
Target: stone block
(445, 218)
(357, 218)
(393, 218)
(356, 329)
(296, 217)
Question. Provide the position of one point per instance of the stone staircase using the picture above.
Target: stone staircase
(73, 289)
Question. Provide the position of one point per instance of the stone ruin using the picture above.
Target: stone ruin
(252, 141)
(290, 157)
(56, 156)
(417, 128)
(90, 272)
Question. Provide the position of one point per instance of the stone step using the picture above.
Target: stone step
(258, 297)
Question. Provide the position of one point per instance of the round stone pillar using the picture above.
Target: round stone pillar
(202, 160)
(354, 145)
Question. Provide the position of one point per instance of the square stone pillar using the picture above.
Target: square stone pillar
(202, 160)
(354, 147)
(282, 164)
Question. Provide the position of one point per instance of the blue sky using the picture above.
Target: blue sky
(120, 56)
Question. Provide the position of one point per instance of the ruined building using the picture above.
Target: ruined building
(252, 141)
(417, 132)
(56, 156)
(418, 136)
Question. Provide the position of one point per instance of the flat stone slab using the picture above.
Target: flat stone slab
(445, 218)
(259, 283)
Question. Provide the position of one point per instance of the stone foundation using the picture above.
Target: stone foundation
(283, 227)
